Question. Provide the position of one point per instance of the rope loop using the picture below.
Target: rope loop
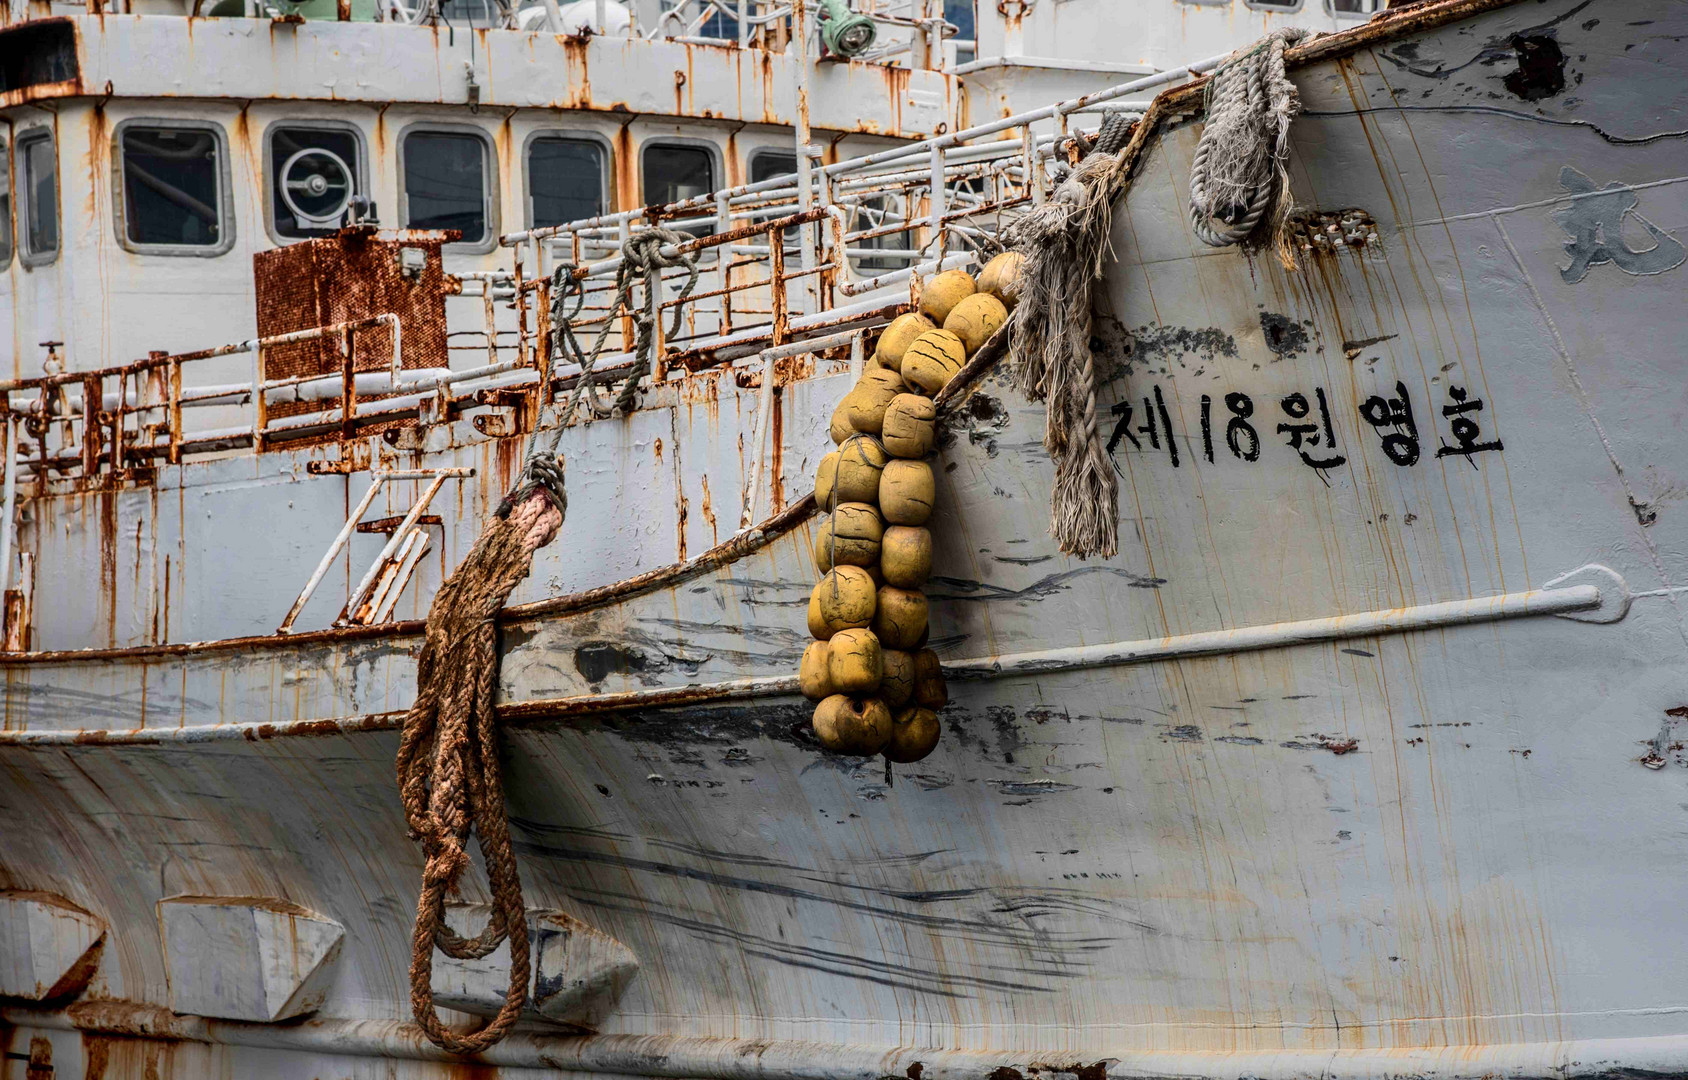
(1238, 178)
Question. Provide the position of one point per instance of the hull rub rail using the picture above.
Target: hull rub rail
(1532, 603)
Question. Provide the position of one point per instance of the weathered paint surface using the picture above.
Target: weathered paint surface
(1446, 852)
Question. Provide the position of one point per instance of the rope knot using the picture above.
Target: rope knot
(1239, 179)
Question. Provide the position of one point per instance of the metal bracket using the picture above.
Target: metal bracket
(376, 594)
(1614, 593)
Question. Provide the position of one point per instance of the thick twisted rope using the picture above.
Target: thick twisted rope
(1065, 243)
(1238, 178)
(448, 769)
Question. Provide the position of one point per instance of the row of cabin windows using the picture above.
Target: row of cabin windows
(175, 192)
(1332, 7)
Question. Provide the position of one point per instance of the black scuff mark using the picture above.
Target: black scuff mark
(1494, 51)
(1207, 346)
(598, 660)
(964, 589)
(1284, 336)
(1366, 343)
(1541, 67)
(1183, 733)
(1031, 787)
(1002, 719)
(1240, 740)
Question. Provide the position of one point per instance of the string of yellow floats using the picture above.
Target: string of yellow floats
(877, 685)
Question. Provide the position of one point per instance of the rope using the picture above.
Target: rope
(1238, 177)
(1065, 242)
(641, 255)
(448, 770)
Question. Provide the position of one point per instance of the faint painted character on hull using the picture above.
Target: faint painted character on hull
(1594, 221)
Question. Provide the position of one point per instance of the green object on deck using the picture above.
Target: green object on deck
(844, 32)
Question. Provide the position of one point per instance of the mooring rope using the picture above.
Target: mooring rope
(1238, 177)
(1239, 167)
(448, 768)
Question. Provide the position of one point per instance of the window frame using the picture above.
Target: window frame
(11, 222)
(717, 166)
(606, 175)
(492, 203)
(1275, 9)
(1360, 16)
(21, 199)
(768, 151)
(360, 168)
(225, 190)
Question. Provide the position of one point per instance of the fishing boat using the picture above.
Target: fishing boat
(1359, 757)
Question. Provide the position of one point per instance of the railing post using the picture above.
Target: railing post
(175, 392)
(776, 283)
(724, 263)
(938, 201)
(91, 395)
(260, 404)
(348, 386)
(805, 169)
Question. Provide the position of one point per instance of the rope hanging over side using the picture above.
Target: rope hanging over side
(1065, 243)
(1238, 180)
(448, 768)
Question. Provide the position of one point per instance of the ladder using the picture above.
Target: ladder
(376, 594)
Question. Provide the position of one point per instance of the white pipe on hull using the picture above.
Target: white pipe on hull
(1529, 604)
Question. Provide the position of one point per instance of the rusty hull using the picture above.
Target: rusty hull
(1446, 849)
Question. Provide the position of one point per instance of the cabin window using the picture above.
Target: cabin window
(174, 198)
(675, 171)
(1354, 8)
(40, 174)
(961, 14)
(315, 172)
(1274, 5)
(767, 164)
(448, 184)
(565, 179)
(5, 205)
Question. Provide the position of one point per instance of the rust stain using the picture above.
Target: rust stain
(132, 1018)
(626, 168)
(96, 1055)
(579, 72)
(776, 455)
(709, 511)
(108, 561)
(659, 449)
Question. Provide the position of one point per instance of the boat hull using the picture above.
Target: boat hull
(1361, 767)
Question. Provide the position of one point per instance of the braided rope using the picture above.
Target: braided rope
(1238, 176)
(448, 770)
(1065, 243)
(641, 256)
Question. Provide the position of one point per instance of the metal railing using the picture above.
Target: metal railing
(806, 255)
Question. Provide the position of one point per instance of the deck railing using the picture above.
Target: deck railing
(834, 246)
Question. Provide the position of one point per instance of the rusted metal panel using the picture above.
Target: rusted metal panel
(356, 274)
